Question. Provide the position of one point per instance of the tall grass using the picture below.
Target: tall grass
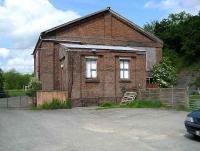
(56, 104)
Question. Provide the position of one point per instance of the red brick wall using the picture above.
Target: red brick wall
(102, 29)
(108, 83)
(46, 70)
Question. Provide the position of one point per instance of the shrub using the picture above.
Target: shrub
(197, 82)
(56, 104)
(33, 87)
(164, 74)
(107, 104)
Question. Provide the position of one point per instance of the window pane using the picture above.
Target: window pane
(121, 74)
(121, 65)
(88, 70)
(91, 68)
(126, 75)
(126, 64)
(94, 64)
(94, 74)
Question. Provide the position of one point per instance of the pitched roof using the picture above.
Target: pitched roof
(108, 9)
(136, 27)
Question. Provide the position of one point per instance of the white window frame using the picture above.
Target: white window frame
(123, 69)
(91, 63)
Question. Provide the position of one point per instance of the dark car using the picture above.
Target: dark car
(192, 123)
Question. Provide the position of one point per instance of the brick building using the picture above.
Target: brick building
(99, 55)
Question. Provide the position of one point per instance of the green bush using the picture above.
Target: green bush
(107, 104)
(33, 87)
(164, 74)
(56, 104)
(197, 82)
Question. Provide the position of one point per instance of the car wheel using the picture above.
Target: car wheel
(195, 136)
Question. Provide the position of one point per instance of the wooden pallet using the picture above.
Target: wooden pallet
(128, 97)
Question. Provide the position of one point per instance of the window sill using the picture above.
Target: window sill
(92, 81)
(125, 81)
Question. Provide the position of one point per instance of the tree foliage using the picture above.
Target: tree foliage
(197, 82)
(33, 87)
(150, 27)
(2, 93)
(1, 81)
(164, 73)
(15, 80)
(180, 33)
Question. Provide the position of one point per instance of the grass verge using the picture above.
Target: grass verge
(133, 104)
(142, 104)
(14, 93)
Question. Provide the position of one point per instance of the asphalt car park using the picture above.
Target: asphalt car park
(88, 129)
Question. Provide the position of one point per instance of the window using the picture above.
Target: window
(124, 69)
(149, 80)
(91, 68)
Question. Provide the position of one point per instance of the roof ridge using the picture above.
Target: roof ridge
(75, 20)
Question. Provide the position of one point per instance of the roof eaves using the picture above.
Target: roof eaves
(54, 40)
(100, 47)
(37, 44)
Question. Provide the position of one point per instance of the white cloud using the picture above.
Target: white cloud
(21, 21)
(4, 52)
(20, 60)
(190, 6)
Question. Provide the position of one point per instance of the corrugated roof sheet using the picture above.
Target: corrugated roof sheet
(100, 47)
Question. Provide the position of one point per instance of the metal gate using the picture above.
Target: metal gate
(194, 99)
(15, 99)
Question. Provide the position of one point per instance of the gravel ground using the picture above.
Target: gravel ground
(87, 129)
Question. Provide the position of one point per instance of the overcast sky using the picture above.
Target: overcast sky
(21, 21)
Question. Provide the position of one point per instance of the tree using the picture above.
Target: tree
(1, 81)
(15, 80)
(2, 93)
(150, 27)
(181, 34)
(164, 74)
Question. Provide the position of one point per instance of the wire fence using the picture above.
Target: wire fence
(172, 96)
(194, 99)
(168, 96)
(15, 99)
